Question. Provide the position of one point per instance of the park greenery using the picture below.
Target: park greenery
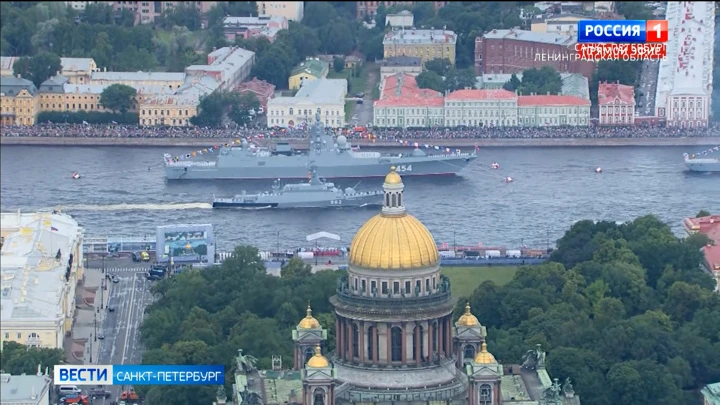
(440, 75)
(622, 310)
(545, 80)
(217, 107)
(17, 359)
(119, 98)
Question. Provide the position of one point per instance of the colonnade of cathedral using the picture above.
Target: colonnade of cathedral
(393, 343)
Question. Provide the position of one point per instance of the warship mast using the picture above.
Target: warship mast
(317, 133)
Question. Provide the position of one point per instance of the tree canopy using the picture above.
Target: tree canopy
(440, 75)
(545, 80)
(219, 105)
(19, 359)
(119, 98)
(38, 68)
(623, 310)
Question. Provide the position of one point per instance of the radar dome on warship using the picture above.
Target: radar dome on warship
(333, 159)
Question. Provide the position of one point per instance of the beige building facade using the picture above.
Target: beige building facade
(424, 44)
(323, 96)
(41, 264)
(291, 10)
(19, 101)
(77, 70)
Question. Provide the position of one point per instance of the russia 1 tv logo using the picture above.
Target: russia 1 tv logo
(623, 31)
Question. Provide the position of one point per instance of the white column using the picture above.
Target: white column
(426, 340)
(383, 342)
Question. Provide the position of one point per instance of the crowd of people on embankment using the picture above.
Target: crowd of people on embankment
(378, 134)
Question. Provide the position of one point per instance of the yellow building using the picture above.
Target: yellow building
(77, 70)
(292, 10)
(41, 264)
(310, 69)
(424, 44)
(176, 109)
(19, 101)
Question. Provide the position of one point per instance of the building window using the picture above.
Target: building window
(373, 286)
(469, 352)
(396, 344)
(362, 285)
(371, 343)
(407, 287)
(319, 397)
(485, 395)
(384, 287)
(396, 287)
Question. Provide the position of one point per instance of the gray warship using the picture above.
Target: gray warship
(335, 159)
(703, 163)
(316, 193)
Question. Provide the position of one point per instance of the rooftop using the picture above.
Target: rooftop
(709, 225)
(693, 49)
(33, 279)
(712, 258)
(498, 94)
(257, 86)
(23, 389)
(313, 67)
(227, 61)
(413, 36)
(281, 387)
(12, 85)
(531, 36)
(316, 91)
(573, 84)
(552, 101)
(77, 64)
(7, 62)
(402, 90)
(188, 94)
(138, 76)
(263, 20)
(615, 93)
(711, 393)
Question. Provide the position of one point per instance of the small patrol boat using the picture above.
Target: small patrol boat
(316, 193)
(75, 175)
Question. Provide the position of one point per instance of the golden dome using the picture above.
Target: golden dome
(309, 322)
(318, 360)
(188, 246)
(393, 177)
(391, 242)
(468, 319)
(484, 356)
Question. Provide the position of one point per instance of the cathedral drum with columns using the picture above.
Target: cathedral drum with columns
(395, 340)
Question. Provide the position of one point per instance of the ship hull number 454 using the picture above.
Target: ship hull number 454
(403, 168)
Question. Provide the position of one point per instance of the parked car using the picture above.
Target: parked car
(142, 256)
(99, 393)
(115, 279)
(111, 309)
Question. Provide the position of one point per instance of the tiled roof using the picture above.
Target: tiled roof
(709, 225)
(257, 86)
(413, 36)
(11, 85)
(76, 64)
(318, 91)
(551, 100)
(531, 36)
(311, 66)
(84, 88)
(402, 61)
(498, 94)
(615, 93)
(401, 90)
(138, 76)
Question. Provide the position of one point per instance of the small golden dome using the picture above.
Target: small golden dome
(309, 322)
(391, 242)
(188, 246)
(318, 360)
(468, 319)
(484, 356)
(393, 177)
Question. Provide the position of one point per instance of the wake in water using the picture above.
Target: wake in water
(139, 207)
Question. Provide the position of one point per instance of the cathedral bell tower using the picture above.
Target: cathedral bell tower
(318, 376)
(469, 335)
(484, 374)
(307, 335)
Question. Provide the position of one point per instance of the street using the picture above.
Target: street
(363, 113)
(121, 329)
(647, 88)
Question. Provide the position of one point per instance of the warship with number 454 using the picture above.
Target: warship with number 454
(334, 158)
(316, 193)
(703, 161)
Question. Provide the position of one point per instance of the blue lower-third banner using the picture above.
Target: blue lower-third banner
(139, 375)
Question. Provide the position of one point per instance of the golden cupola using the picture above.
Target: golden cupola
(318, 360)
(467, 319)
(309, 322)
(484, 356)
(393, 239)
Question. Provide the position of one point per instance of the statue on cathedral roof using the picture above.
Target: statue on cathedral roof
(552, 394)
(568, 389)
(221, 395)
(534, 359)
(246, 362)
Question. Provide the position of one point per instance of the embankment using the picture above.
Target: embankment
(300, 143)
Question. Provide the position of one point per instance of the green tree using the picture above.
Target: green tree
(318, 14)
(243, 108)
(337, 38)
(439, 66)
(102, 52)
(338, 64)
(20, 359)
(545, 80)
(274, 67)
(38, 68)
(430, 80)
(513, 84)
(703, 213)
(119, 98)
(460, 79)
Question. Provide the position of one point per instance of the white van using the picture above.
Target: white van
(68, 389)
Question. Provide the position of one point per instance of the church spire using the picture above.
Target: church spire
(393, 187)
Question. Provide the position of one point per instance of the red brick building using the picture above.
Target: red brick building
(263, 90)
(617, 104)
(370, 7)
(513, 51)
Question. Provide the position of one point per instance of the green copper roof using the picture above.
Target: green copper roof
(311, 66)
(711, 392)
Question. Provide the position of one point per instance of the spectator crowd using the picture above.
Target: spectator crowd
(378, 134)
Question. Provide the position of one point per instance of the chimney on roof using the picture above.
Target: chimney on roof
(57, 73)
(19, 76)
(214, 48)
(105, 69)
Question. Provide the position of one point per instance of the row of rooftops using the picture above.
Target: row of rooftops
(68, 64)
(616, 94)
(529, 36)
(33, 276)
(318, 91)
(401, 90)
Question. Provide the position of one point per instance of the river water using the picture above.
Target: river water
(552, 188)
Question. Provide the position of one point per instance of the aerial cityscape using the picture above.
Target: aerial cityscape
(353, 203)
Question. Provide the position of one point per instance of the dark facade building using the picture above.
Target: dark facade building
(513, 51)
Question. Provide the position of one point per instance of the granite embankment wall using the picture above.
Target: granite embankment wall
(299, 143)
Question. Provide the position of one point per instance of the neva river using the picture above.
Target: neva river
(552, 188)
